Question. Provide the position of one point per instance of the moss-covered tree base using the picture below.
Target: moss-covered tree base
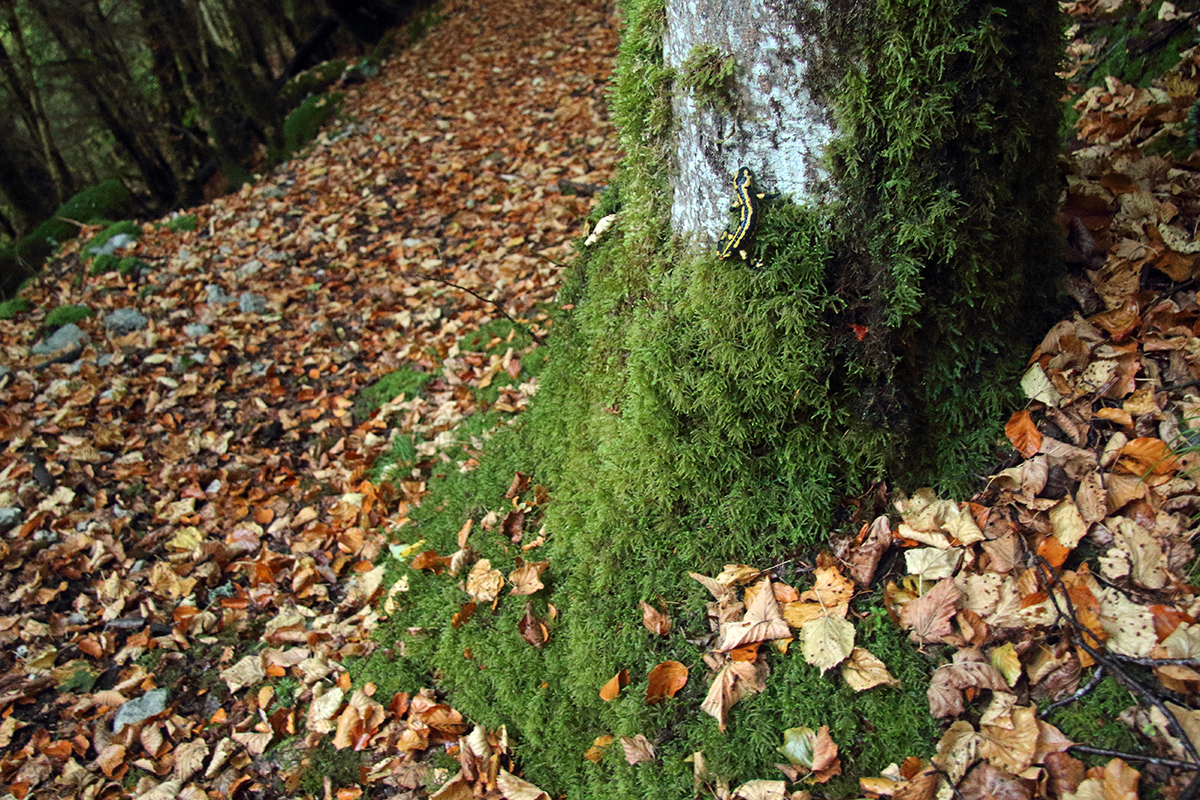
(697, 412)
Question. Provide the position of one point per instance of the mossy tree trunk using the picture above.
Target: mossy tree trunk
(700, 411)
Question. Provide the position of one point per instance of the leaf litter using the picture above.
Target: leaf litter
(194, 553)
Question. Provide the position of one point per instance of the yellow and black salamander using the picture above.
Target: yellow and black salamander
(745, 202)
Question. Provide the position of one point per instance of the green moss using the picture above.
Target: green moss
(182, 222)
(1093, 720)
(696, 413)
(64, 315)
(408, 382)
(341, 767)
(124, 228)
(313, 81)
(13, 306)
(303, 124)
(708, 73)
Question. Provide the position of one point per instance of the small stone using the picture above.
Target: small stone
(10, 516)
(216, 295)
(249, 268)
(148, 705)
(196, 329)
(66, 337)
(124, 321)
(251, 303)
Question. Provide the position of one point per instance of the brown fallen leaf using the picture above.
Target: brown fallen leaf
(862, 671)
(1023, 434)
(665, 680)
(514, 788)
(595, 753)
(526, 579)
(657, 622)
(532, 629)
(865, 557)
(483, 582)
(637, 749)
(928, 617)
(969, 671)
(762, 622)
(735, 681)
(614, 686)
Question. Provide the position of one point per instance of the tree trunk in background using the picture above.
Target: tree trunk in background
(99, 67)
(23, 86)
(25, 182)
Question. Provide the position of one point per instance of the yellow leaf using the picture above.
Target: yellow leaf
(826, 642)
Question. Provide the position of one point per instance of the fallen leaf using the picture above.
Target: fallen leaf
(865, 558)
(826, 642)
(762, 622)
(928, 617)
(637, 749)
(664, 681)
(532, 629)
(483, 582)
(657, 622)
(614, 686)
(514, 788)
(526, 579)
(595, 753)
(1023, 434)
(735, 681)
(862, 671)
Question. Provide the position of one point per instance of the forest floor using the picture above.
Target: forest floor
(193, 524)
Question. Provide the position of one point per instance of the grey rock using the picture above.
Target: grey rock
(115, 243)
(66, 337)
(216, 295)
(10, 516)
(125, 320)
(251, 303)
(273, 192)
(249, 268)
(196, 329)
(148, 705)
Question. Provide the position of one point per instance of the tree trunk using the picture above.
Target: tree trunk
(23, 84)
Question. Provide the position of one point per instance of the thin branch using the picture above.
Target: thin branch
(1166, 762)
(1097, 676)
(1052, 584)
(497, 306)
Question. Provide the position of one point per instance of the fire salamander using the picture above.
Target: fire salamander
(737, 240)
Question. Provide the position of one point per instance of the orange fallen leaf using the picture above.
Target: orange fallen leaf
(665, 680)
(611, 689)
(1023, 434)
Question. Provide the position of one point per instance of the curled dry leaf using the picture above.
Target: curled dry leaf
(614, 686)
(527, 578)
(862, 671)
(865, 557)
(657, 622)
(532, 629)
(514, 788)
(665, 680)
